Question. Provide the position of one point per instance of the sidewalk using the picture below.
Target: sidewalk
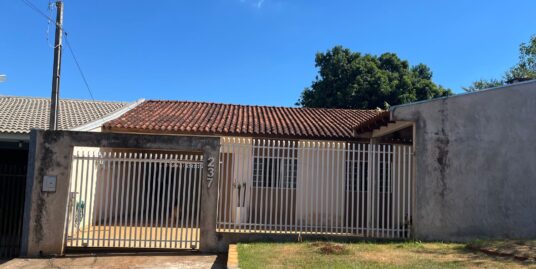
(120, 261)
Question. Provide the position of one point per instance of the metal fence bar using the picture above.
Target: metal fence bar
(228, 181)
(404, 179)
(262, 184)
(183, 195)
(398, 169)
(338, 179)
(127, 233)
(327, 185)
(383, 189)
(318, 170)
(410, 189)
(92, 200)
(362, 189)
(251, 209)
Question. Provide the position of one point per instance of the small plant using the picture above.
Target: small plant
(79, 212)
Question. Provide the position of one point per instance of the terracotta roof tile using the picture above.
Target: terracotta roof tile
(200, 118)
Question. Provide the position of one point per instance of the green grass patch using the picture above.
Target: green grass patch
(368, 255)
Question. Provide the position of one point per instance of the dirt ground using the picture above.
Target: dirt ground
(518, 249)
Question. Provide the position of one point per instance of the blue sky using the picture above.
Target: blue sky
(250, 51)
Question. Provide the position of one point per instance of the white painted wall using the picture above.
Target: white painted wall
(321, 177)
(83, 185)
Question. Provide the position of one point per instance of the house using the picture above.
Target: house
(267, 152)
(279, 167)
(18, 115)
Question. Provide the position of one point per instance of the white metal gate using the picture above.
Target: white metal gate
(315, 187)
(134, 199)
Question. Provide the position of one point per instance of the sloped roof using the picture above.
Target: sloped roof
(21, 114)
(381, 119)
(201, 118)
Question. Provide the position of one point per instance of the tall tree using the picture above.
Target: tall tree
(525, 69)
(349, 79)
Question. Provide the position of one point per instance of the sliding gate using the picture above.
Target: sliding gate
(134, 199)
(12, 183)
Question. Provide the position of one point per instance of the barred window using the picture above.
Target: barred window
(275, 167)
(357, 172)
(356, 175)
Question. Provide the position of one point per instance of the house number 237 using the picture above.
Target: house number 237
(210, 171)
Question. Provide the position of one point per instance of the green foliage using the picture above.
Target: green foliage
(79, 212)
(483, 84)
(525, 69)
(349, 79)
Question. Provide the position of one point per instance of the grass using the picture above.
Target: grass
(369, 255)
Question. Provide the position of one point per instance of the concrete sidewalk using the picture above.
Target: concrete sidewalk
(121, 261)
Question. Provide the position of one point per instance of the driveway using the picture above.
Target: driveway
(120, 261)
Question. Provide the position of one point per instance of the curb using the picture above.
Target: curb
(232, 257)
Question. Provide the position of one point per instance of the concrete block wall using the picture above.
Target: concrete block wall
(475, 164)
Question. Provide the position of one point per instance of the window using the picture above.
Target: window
(275, 169)
(357, 170)
(356, 180)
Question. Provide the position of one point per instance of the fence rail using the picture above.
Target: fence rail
(134, 199)
(312, 187)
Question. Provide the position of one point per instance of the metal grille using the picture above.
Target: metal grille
(134, 199)
(12, 183)
(312, 187)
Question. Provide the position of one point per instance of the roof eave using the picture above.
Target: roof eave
(227, 134)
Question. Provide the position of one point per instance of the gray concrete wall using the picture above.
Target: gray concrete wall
(50, 154)
(475, 164)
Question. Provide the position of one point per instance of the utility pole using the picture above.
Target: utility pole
(54, 100)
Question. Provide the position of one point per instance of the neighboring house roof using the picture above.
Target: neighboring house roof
(200, 118)
(21, 114)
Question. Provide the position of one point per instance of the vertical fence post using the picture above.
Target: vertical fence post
(209, 199)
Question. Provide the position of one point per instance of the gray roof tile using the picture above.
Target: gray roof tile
(21, 114)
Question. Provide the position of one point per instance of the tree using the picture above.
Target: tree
(525, 69)
(349, 79)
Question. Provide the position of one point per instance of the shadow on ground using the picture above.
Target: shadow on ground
(122, 260)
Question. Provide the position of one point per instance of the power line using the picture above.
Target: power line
(36, 9)
(47, 33)
(49, 19)
(78, 65)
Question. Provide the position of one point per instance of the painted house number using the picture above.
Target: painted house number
(210, 175)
